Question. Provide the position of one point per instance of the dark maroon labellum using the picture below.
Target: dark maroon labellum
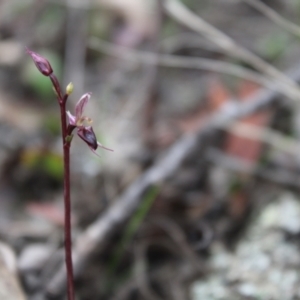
(87, 134)
(41, 63)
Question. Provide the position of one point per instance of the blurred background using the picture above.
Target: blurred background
(200, 102)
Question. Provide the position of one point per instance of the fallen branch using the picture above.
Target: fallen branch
(274, 16)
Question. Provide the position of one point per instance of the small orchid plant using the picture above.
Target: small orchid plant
(85, 132)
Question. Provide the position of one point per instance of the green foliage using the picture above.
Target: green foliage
(53, 165)
(45, 161)
(273, 46)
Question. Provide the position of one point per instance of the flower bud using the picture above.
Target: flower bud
(87, 134)
(69, 88)
(41, 63)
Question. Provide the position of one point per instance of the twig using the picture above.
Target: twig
(180, 13)
(158, 274)
(183, 249)
(188, 40)
(279, 176)
(274, 16)
(140, 270)
(175, 61)
(95, 236)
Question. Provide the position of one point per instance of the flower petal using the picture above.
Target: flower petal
(72, 119)
(81, 105)
(87, 135)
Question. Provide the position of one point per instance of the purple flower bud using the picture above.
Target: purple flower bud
(87, 134)
(41, 63)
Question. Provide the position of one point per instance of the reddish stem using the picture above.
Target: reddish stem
(68, 237)
(67, 197)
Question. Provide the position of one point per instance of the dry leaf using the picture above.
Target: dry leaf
(242, 147)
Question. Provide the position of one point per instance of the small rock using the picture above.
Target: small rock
(283, 214)
(10, 288)
(33, 257)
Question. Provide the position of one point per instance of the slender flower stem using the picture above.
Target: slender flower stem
(67, 197)
(68, 237)
(67, 200)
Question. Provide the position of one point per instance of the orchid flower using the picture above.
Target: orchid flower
(86, 133)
